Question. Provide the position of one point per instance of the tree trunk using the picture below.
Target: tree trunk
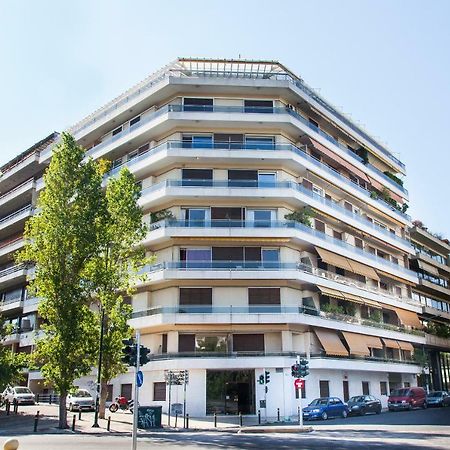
(103, 397)
(62, 411)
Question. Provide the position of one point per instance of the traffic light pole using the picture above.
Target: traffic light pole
(136, 391)
(300, 417)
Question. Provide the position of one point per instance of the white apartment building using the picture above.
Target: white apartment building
(225, 152)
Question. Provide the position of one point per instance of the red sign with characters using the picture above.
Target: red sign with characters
(299, 384)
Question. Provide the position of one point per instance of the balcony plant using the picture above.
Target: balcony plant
(376, 316)
(394, 178)
(303, 216)
(161, 215)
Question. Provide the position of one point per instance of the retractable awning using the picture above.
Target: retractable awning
(428, 268)
(331, 342)
(405, 346)
(364, 270)
(390, 343)
(331, 292)
(394, 277)
(356, 343)
(334, 259)
(373, 342)
(408, 318)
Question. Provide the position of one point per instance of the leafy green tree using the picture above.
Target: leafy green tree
(11, 364)
(61, 239)
(114, 270)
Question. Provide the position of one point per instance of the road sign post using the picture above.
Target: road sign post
(136, 391)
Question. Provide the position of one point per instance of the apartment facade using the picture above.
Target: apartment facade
(431, 262)
(279, 229)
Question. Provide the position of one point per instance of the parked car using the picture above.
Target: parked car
(325, 407)
(80, 400)
(438, 398)
(19, 395)
(407, 398)
(363, 404)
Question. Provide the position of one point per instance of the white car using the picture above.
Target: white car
(20, 395)
(80, 400)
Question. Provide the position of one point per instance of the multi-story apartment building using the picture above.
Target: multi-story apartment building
(279, 229)
(431, 261)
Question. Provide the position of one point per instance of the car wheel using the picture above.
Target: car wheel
(424, 406)
(378, 411)
(324, 416)
(362, 412)
(344, 414)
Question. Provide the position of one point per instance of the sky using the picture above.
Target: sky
(385, 62)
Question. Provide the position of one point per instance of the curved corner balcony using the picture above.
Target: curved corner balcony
(272, 150)
(279, 189)
(247, 110)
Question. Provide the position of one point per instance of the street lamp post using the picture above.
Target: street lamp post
(99, 370)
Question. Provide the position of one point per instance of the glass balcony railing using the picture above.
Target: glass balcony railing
(245, 184)
(239, 109)
(271, 309)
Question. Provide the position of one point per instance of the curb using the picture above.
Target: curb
(276, 429)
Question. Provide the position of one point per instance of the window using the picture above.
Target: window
(263, 296)
(317, 190)
(116, 163)
(313, 122)
(159, 391)
(126, 391)
(266, 179)
(211, 344)
(198, 104)
(345, 390)
(319, 226)
(261, 218)
(195, 296)
(117, 130)
(337, 235)
(358, 242)
(197, 177)
(243, 178)
(348, 206)
(324, 388)
(196, 217)
(270, 257)
(229, 254)
(164, 343)
(186, 343)
(307, 184)
(259, 143)
(135, 120)
(365, 388)
(248, 342)
(258, 106)
(394, 259)
(228, 141)
(196, 257)
(227, 217)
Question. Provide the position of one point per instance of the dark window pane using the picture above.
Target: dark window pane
(258, 106)
(186, 343)
(252, 253)
(195, 296)
(126, 390)
(198, 104)
(135, 120)
(319, 226)
(248, 342)
(159, 391)
(197, 177)
(324, 388)
(244, 178)
(228, 141)
(264, 296)
(228, 254)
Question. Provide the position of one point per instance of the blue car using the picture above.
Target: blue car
(325, 407)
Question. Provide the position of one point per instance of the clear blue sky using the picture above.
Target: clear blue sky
(386, 62)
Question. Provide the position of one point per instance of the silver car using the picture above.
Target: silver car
(20, 395)
(80, 400)
(438, 398)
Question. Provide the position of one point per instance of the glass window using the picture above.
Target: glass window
(260, 217)
(258, 106)
(259, 143)
(216, 344)
(117, 130)
(270, 257)
(135, 121)
(198, 104)
(202, 141)
(196, 217)
(266, 179)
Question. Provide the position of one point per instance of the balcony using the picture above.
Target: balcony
(287, 228)
(284, 190)
(275, 151)
(275, 111)
(436, 341)
(11, 195)
(11, 245)
(16, 217)
(206, 71)
(12, 275)
(11, 304)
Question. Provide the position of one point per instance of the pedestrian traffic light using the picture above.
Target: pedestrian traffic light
(261, 379)
(129, 352)
(295, 370)
(143, 355)
(267, 376)
(303, 368)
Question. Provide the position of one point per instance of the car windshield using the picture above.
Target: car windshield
(357, 399)
(82, 394)
(435, 394)
(319, 402)
(400, 393)
(22, 390)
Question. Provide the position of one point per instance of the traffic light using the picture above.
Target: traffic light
(261, 379)
(267, 376)
(143, 355)
(304, 368)
(129, 352)
(295, 370)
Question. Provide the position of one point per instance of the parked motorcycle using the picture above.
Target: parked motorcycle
(121, 403)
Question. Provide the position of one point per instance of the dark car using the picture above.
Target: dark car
(325, 407)
(407, 398)
(438, 398)
(363, 404)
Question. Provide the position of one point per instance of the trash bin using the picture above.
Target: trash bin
(149, 417)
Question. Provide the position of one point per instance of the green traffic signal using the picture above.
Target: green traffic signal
(267, 376)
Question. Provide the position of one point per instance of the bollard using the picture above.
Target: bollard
(37, 398)
(50, 399)
(240, 419)
(176, 418)
(215, 420)
(108, 426)
(187, 421)
(79, 414)
(278, 414)
(7, 407)
(298, 414)
(259, 417)
(36, 420)
(16, 407)
(74, 418)
(11, 444)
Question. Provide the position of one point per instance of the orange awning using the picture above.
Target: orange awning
(324, 150)
(357, 344)
(334, 259)
(390, 343)
(409, 318)
(364, 270)
(406, 346)
(330, 342)
(373, 342)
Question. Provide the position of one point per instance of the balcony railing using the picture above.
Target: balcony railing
(242, 184)
(239, 109)
(16, 213)
(239, 146)
(272, 310)
(11, 191)
(8, 301)
(162, 75)
(13, 269)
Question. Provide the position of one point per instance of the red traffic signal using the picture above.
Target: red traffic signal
(299, 384)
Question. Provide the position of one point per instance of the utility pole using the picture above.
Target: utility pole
(136, 390)
(99, 369)
(300, 418)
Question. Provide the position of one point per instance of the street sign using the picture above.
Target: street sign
(139, 378)
(299, 384)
